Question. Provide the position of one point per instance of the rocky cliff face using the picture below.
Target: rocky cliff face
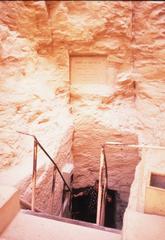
(29, 80)
(148, 52)
(39, 39)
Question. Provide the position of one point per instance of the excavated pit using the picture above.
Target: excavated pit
(121, 165)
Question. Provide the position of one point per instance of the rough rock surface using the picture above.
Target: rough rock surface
(29, 81)
(148, 54)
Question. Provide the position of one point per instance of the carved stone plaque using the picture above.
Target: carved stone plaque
(88, 70)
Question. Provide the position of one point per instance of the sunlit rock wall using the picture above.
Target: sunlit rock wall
(148, 53)
(29, 80)
(149, 61)
(101, 110)
(34, 96)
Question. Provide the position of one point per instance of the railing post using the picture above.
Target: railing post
(53, 187)
(100, 192)
(104, 190)
(34, 176)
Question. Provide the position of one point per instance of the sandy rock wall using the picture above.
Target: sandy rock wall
(35, 66)
(35, 56)
(29, 81)
(148, 52)
(134, 100)
(92, 130)
(34, 96)
(100, 110)
(29, 18)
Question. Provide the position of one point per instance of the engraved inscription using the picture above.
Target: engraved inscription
(88, 70)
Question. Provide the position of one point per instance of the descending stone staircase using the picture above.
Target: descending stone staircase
(17, 224)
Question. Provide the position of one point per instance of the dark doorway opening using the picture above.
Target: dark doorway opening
(110, 210)
(80, 207)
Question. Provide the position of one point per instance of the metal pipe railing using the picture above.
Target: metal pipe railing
(42, 148)
(34, 175)
(135, 145)
(53, 187)
(102, 188)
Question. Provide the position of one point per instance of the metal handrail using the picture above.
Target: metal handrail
(136, 145)
(37, 143)
(106, 168)
(102, 189)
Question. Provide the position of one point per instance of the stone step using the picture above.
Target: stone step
(9, 205)
(31, 227)
(72, 221)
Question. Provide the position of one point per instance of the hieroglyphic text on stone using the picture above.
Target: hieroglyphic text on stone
(88, 70)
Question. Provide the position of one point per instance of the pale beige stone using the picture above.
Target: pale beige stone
(143, 226)
(9, 205)
(33, 227)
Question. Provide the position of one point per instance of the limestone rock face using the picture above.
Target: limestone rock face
(29, 81)
(84, 21)
(36, 40)
(148, 52)
(29, 18)
(92, 131)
